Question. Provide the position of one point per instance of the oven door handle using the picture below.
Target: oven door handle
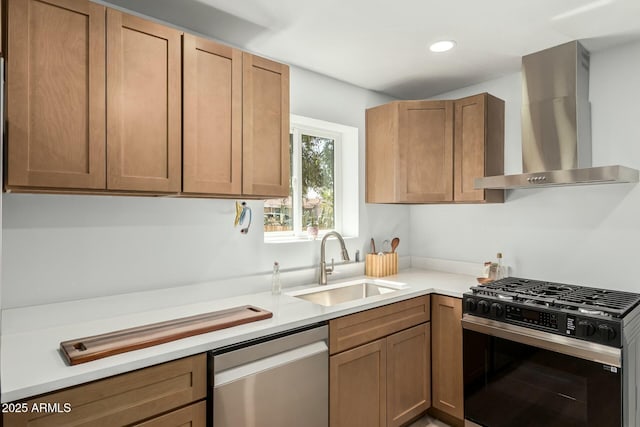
(570, 346)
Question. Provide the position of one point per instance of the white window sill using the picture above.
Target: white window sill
(298, 239)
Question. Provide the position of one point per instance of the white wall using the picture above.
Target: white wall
(63, 247)
(588, 235)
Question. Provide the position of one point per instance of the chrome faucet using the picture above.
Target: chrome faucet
(324, 270)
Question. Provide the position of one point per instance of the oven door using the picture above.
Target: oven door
(516, 376)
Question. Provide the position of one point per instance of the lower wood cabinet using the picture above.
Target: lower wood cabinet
(447, 383)
(408, 374)
(384, 382)
(191, 416)
(358, 386)
(158, 396)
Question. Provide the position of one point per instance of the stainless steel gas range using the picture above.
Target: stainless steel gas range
(542, 353)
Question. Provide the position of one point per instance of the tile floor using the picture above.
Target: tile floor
(427, 421)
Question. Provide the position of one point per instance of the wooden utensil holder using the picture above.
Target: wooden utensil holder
(380, 265)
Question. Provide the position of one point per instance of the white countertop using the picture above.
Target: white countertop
(32, 365)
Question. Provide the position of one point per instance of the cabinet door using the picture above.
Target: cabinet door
(478, 146)
(447, 385)
(358, 386)
(425, 152)
(469, 142)
(212, 102)
(408, 374)
(381, 124)
(56, 94)
(265, 130)
(144, 105)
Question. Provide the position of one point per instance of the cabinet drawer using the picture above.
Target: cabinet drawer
(192, 416)
(123, 399)
(359, 328)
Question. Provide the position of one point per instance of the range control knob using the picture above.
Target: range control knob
(496, 309)
(586, 328)
(484, 306)
(472, 305)
(607, 333)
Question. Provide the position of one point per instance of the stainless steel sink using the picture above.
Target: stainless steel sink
(339, 293)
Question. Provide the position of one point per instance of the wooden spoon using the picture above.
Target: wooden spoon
(394, 244)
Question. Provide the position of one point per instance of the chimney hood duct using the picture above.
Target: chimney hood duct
(556, 125)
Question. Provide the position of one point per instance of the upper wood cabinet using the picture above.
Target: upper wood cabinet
(144, 104)
(96, 100)
(56, 94)
(212, 102)
(65, 130)
(409, 152)
(447, 383)
(431, 151)
(265, 128)
(1, 28)
(236, 122)
(478, 146)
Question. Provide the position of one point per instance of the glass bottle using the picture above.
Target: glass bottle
(500, 273)
(276, 286)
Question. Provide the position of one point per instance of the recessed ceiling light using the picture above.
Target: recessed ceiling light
(442, 46)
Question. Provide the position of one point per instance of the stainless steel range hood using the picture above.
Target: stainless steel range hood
(556, 125)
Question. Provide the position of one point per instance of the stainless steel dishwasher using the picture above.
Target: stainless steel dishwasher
(278, 381)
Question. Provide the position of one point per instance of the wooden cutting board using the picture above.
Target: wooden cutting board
(86, 349)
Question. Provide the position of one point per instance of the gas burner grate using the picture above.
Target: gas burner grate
(509, 284)
(570, 297)
(551, 290)
(613, 301)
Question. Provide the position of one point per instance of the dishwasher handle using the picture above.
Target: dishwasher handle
(267, 363)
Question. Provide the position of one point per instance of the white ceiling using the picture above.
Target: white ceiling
(383, 45)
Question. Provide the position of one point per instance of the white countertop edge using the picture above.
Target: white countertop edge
(158, 356)
(289, 313)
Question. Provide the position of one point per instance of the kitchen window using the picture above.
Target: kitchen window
(323, 187)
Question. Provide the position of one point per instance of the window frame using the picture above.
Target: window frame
(341, 135)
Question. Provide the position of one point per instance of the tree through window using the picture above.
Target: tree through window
(312, 201)
(318, 182)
